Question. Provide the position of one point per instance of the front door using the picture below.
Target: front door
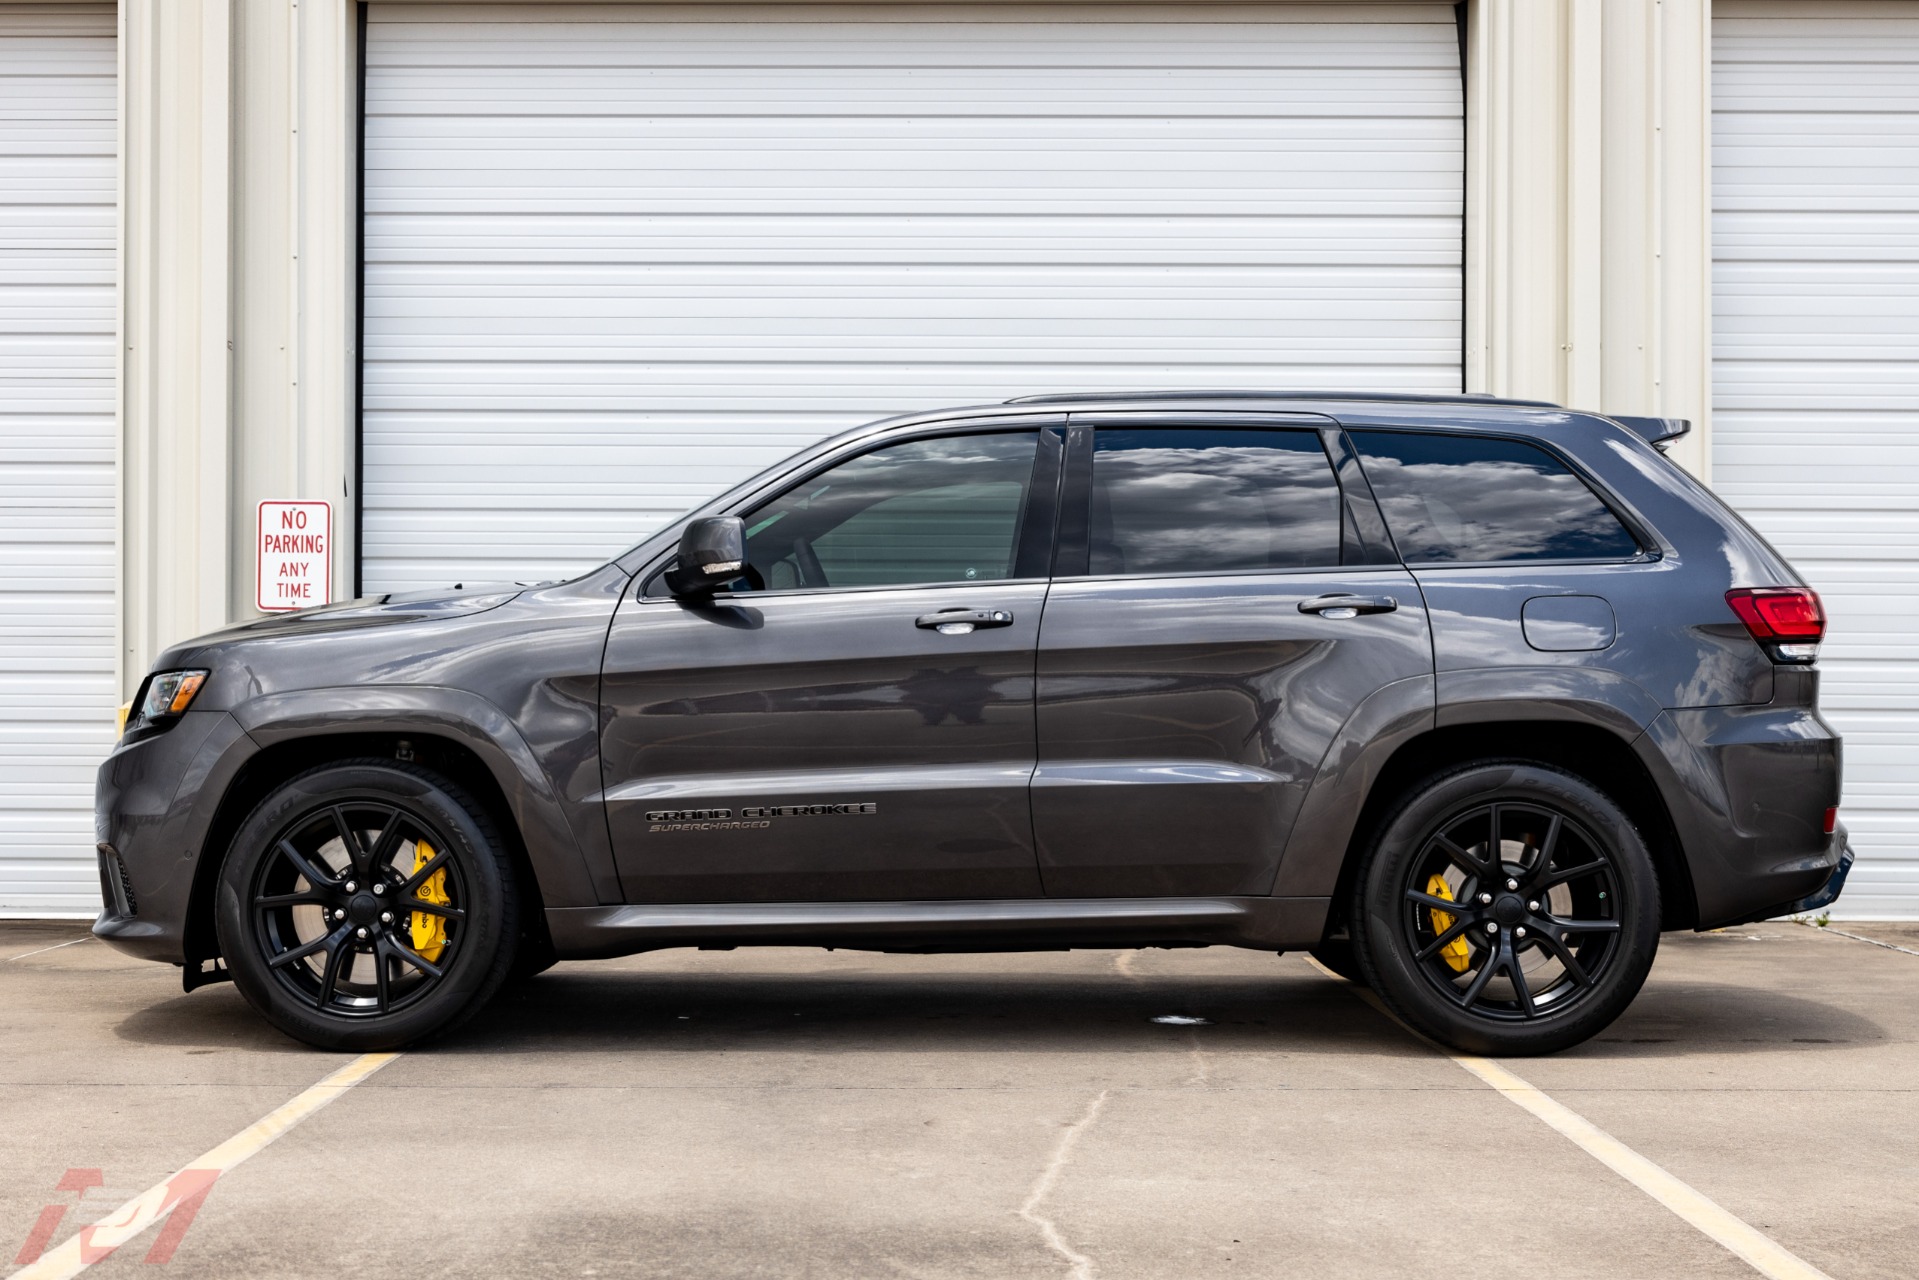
(1221, 606)
(859, 723)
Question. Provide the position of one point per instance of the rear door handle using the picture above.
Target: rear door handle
(959, 622)
(1341, 605)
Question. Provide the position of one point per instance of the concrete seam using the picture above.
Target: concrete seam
(1083, 1268)
(43, 950)
(1890, 946)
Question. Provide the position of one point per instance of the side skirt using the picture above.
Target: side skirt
(1264, 924)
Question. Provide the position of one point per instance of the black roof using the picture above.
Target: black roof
(1654, 430)
(1394, 397)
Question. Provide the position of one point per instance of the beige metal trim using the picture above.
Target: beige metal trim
(175, 323)
(1588, 206)
(237, 243)
(294, 240)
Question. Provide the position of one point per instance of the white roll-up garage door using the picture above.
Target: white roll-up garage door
(620, 257)
(57, 488)
(1816, 370)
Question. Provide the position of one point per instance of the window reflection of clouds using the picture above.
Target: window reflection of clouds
(1454, 498)
(926, 464)
(1192, 501)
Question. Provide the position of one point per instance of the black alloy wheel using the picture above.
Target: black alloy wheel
(338, 908)
(1507, 908)
(366, 905)
(1516, 892)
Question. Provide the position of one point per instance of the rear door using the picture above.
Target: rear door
(1224, 598)
(860, 727)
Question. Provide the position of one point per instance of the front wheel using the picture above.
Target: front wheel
(1507, 908)
(367, 905)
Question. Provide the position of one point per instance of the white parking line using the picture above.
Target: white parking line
(1760, 1251)
(1764, 1254)
(95, 1243)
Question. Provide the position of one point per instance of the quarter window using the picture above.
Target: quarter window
(924, 511)
(1203, 500)
(1457, 499)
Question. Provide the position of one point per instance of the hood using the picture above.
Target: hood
(353, 615)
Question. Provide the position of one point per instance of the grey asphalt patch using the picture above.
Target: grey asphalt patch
(799, 1113)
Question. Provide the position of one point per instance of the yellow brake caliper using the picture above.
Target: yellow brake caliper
(429, 932)
(1455, 953)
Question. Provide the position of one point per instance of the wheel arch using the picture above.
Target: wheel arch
(1595, 754)
(551, 867)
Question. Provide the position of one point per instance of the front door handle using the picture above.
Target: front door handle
(1341, 605)
(959, 622)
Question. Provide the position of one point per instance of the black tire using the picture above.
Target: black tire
(1488, 964)
(1337, 954)
(403, 838)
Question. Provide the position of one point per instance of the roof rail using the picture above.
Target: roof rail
(1412, 397)
(1654, 431)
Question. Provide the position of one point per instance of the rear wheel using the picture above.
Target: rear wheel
(367, 905)
(1507, 908)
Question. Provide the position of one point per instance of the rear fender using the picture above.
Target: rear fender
(1384, 721)
(1396, 714)
(1584, 695)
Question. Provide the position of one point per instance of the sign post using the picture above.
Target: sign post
(295, 546)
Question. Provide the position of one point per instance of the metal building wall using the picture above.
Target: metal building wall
(57, 447)
(619, 258)
(1816, 371)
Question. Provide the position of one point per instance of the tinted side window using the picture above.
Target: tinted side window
(1199, 500)
(924, 511)
(1470, 498)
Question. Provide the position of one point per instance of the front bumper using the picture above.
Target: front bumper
(153, 806)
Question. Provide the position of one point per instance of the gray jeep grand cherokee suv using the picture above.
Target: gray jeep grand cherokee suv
(1469, 697)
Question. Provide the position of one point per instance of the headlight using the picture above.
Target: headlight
(168, 694)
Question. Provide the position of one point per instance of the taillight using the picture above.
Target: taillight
(1786, 621)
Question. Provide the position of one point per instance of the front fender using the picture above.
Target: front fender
(565, 838)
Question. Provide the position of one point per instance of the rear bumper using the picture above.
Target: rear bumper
(1827, 893)
(1747, 788)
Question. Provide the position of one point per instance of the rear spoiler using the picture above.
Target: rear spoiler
(1655, 431)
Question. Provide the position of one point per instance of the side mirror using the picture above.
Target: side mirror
(712, 554)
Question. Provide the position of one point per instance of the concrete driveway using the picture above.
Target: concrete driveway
(803, 1113)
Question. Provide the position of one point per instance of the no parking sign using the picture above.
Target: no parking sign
(295, 555)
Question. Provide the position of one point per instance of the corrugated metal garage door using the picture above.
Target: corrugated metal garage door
(619, 258)
(1816, 371)
(57, 488)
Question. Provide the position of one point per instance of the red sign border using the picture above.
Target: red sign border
(259, 553)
